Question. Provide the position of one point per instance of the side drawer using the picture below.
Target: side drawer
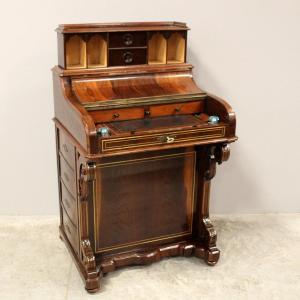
(69, 203)
(176, 109)
(70, 231)
(123, 57)
(127, 39)
(67, 149)
(173, 137)
(67, 175)
(117, 114)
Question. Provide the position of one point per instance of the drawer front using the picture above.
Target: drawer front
(121, 57)
(127, 39)
(69, 203)
(70, 231)
(176, 109)
(67, 175)
(117, 114)
(174, 137)
(67, 149)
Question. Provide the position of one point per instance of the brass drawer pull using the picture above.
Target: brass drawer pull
(128, 57)
(128, 39)
(167, 139)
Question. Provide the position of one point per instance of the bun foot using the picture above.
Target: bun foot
(212, 256)
(92, 285)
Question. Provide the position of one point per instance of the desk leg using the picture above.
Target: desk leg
(90, 273)
(210, 155)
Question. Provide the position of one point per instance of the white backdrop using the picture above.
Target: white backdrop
(245, 51)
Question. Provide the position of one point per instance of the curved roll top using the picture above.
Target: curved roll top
(154, 87)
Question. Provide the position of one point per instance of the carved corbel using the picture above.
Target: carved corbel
(88, 256)
(222, 153)
(208, 235)
(88, 260)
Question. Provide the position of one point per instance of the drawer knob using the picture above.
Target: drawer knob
(115, 116)
(128, 57)
(128, 39)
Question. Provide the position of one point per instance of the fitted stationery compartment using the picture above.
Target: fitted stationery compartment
(176, 48)
(157, 49)
(93, 50)
(75, 52)
(96, 51)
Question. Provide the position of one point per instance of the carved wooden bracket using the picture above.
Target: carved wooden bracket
(87, 173)
(92, 275)
(222, 153)
(216, 154)
(88, 256)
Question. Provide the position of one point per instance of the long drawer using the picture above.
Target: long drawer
(67, 149)
(171, 137)
(69, 203)
(70, 231)
(67, 175)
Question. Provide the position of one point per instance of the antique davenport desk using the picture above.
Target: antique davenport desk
(137, 146)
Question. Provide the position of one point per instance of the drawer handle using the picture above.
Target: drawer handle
(128, 39)
(65, 147)
(167, 139)
(128, 57)
(66, 176)
(115, 116)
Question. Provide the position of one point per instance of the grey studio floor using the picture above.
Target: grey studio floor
(260, 259)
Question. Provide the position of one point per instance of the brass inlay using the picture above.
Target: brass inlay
(163, 237)
(107, 147)
(131, 102)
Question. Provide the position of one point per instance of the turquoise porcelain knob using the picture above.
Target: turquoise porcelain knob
(213, 120)
(103, 131)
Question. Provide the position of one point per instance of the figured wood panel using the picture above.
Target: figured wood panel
(144, 200)
(134, 86)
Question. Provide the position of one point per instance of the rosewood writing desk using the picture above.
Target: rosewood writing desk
(137, 146)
